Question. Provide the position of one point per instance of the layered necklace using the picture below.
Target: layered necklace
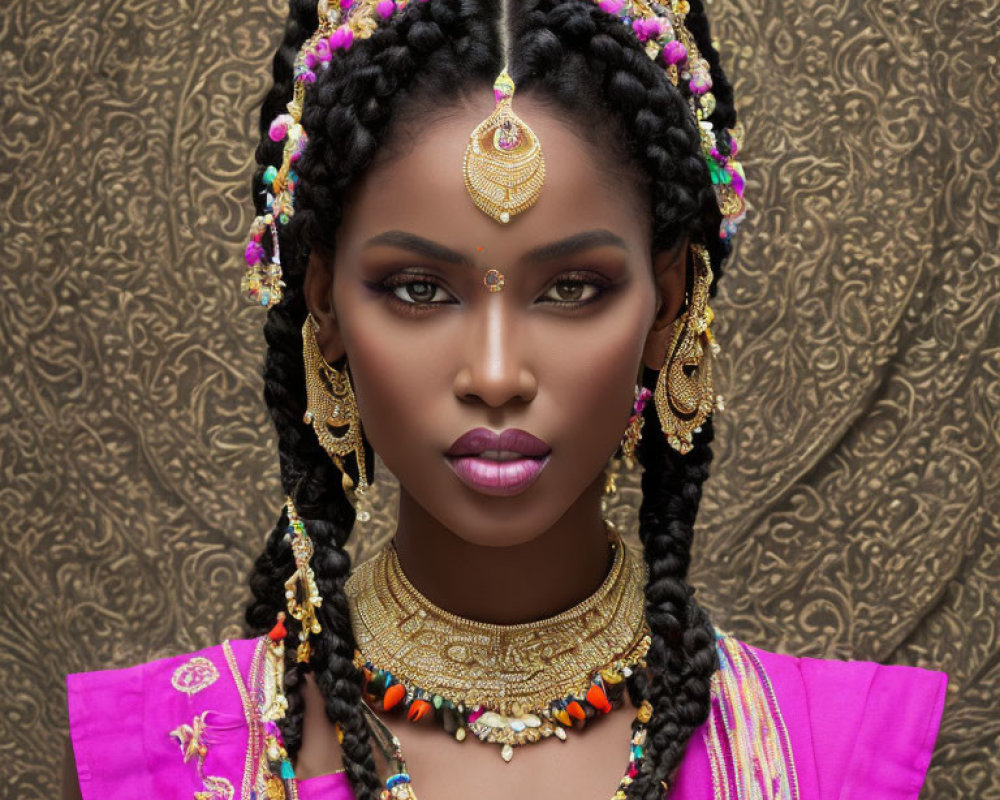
(508, 685)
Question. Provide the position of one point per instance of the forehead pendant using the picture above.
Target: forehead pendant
(504, 168)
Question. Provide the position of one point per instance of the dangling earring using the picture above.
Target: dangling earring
(302, 583)
(633, 433)
(330, 406)
(684, 395)
(630, 439)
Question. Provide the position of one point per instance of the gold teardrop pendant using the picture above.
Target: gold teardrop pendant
(504, 167)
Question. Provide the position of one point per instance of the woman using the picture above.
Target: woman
(470, 286)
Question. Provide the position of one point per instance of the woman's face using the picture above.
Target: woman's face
(434, 354)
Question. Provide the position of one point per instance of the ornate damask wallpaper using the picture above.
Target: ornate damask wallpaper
(853, 511)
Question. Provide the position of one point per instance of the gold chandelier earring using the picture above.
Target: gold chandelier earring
(332, 411)
(684, 395)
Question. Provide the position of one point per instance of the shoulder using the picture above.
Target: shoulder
(852, 728)
(135, 730)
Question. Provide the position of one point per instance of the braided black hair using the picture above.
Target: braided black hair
(585, 62)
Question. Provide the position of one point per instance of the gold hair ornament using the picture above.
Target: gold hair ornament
(300, 589)
(504, 168)
(333, 413)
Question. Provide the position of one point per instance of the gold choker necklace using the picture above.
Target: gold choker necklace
(509, 684)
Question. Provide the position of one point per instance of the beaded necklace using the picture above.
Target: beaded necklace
(274, 775)
(399, 785)
(747, 741)
(509, 685)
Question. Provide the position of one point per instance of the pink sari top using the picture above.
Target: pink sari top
(781, 728)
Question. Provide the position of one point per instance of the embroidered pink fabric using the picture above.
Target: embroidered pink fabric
(855, 729)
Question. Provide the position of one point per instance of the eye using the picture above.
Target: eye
(574, 291)
(416, 290)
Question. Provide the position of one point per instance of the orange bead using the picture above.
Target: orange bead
(278, 632)
(576, 710)
(393, 695)
(418, 710)
(598, 699)
(563, 717)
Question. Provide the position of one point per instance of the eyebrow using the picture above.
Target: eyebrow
(571, 245)
(577, 243)
(418, 244)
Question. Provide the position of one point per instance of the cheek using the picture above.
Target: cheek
(400, 371)
(595, 374)
(591, 371)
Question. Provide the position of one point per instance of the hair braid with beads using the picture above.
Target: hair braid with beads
(585, 62)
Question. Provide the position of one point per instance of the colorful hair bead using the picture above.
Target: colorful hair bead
(338, 26)
(661, 29)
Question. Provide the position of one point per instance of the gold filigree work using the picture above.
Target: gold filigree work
(504, 168)
(509, 669)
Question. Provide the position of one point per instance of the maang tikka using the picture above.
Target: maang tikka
(332, 411)
(504, 168)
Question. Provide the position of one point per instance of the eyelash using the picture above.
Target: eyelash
(392, 283)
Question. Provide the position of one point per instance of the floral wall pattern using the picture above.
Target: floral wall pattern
(853, 511)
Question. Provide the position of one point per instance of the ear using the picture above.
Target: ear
(670, 276)
(318, 291)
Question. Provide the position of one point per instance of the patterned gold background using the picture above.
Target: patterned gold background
(854, 507)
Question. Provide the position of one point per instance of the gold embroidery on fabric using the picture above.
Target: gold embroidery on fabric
(216, 788)
(191, 739)
(748, 744)
(194, 675)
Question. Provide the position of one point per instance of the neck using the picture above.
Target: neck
(552, 572)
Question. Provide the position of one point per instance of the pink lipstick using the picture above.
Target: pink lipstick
(498, 464)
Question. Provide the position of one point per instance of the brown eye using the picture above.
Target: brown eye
(571, 291)
(414, 292)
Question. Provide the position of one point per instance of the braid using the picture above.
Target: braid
(348, 112)
(567, 45)
(586, 63)
(682, 657)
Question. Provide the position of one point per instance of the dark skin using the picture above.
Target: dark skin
(555, 353)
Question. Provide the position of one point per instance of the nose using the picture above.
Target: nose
(494, 371)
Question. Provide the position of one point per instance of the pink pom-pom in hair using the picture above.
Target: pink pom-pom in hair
(254, 253)
(674, 52)
(736, 180)
(279, 127)
(342, 38)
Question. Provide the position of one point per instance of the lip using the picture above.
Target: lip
(492, 476)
